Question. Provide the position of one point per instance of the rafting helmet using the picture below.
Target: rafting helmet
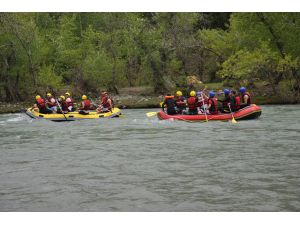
(199, 93)
(211, 94)
(192, 93)
(84, 97)
(226, 91)
(49, 94)
(68, 94)
(242, 89)
(179, 93)
(37, 97)
(63, 97)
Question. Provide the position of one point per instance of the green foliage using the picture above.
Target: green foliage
(95, 51)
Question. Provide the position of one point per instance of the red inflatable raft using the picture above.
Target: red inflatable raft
(251, 112)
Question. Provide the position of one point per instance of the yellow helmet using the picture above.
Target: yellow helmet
(84, 97)
(192, 93)
(49, 94)
(68, 94)
(62, 97)
(179, 93)
(37, 97)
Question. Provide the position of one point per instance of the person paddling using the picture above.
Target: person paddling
(41, 105)
(169, 102)
(180, 102)
(192, 103)
(245, 98)
(63, 105)
(212, 103)
(51, 103)
(85, 105)
(234, 101)
(70, 102)
(106, 103)
(225, 101)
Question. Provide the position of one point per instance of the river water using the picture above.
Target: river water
(137, 163)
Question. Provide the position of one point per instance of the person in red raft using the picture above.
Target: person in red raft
(212, 103)
(245, 98)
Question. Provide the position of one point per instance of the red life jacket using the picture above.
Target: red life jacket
(192, 103)
(41, 103)
(237, 103)
(86, 104)
(249, 98)
(180, 101)
(49, 103)
(214, 105)
(70, 103)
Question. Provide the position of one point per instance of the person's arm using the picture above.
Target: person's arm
(110, 104)
(245, 100)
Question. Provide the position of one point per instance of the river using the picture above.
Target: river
(137, 163)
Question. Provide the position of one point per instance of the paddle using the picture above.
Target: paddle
(233, 120)
(61, 109)
(204, 107)
(149, 114)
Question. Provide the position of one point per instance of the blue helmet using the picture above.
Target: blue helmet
(199, 93)
(211, 94)
(226, 91)
(242, 89)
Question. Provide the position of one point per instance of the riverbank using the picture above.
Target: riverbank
(138, 102)
(144, 97)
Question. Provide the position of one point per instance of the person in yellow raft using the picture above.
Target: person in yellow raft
(51, 103)
(85, 105)
(70, 102)
(40, 105)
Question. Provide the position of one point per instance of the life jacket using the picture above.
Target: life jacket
(69, 101)
(214, 105)
(249, 98)
(85, 104)
(201, 101)
(64, 105)
(237, 103)
(41, 104)
(180, 102)
(226, 101)
(169, 101)
(192, 103)
(51, 102)
(105, 103)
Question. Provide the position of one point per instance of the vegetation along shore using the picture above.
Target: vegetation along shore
(140, 57)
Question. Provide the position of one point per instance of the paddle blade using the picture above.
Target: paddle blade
(233, 120)
(149, 114)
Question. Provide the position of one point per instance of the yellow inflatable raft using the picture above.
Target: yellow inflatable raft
(71, 116)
